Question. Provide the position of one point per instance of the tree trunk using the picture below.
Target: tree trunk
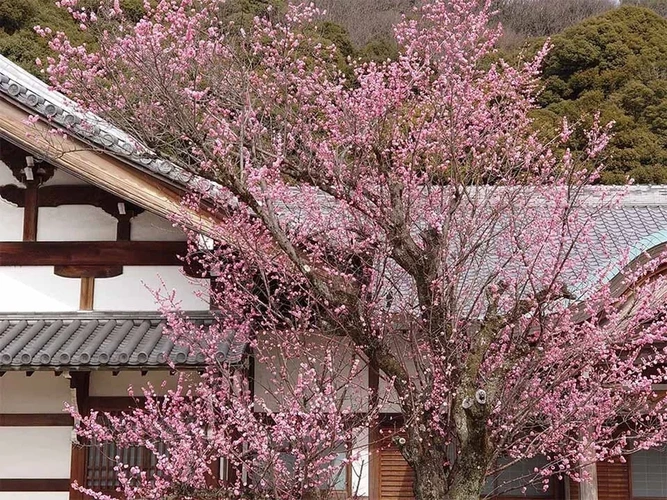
(430, 481)
(467, 478)
(433, 480)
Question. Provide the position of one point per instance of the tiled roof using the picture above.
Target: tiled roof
(638, 224)
(34, 95)
(97, 341)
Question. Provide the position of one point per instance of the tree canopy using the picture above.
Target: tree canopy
(615, 63)
(411, 221)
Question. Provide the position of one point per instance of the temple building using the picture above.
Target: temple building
(86, 236)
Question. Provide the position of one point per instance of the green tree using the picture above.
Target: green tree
(615, 63)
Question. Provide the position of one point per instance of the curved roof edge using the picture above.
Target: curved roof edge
(39, 99)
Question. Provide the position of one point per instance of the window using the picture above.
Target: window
(649, 474)
(339, 481)
(99, 459)
(515, 477)
(100, 462)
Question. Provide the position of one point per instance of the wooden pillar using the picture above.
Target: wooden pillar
(30, 211)
(87, 294)
(588, 490)
(80, 385)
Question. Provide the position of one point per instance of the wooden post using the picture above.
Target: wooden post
(80, 385)
(87, 295)
(30, 212)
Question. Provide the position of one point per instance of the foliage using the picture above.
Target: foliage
(412, 222)
(615, 63)
(15, 13)
(19, 42)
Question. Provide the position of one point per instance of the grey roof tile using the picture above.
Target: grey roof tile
(97, 341)
(29, 92)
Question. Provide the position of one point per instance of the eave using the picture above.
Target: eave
(98, 168)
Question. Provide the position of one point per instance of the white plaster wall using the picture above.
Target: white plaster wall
(11, 217)
(150, 227)
(360, 466)
(61, 177)
(105, 384)
(132, 291)
(11, 222)
(37, 289)
(75, 223)
(35, 452)
(270, 358)
(43, 392)
(34, 495)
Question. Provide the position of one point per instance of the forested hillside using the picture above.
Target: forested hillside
(614, 61)
(18, 40)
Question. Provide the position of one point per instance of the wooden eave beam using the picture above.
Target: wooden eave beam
(100, 169)
(58, 195)
(92, 253)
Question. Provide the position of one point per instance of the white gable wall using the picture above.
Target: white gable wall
(61, 177)
(75, 223)
(36, 289)
(133, 290)
(149, 227)
(11, 217)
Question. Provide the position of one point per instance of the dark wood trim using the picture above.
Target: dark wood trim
(35, 484)
(92, 253)
(30, 212)
(13, 194)
(36, 420)
(88, 271)
(59, 195)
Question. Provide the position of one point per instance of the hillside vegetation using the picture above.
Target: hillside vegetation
(615, 62)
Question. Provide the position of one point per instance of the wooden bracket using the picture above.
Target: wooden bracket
(55, 196)
(88, 271)
(17, 161)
